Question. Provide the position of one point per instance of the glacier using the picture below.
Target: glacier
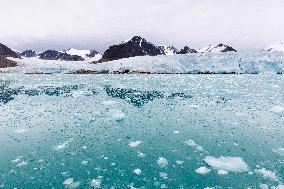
(198, 63)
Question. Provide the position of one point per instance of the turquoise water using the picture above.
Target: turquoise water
(141, 131)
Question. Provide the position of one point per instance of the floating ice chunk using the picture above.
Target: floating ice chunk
(18, 159)
(84, 162)
(277, 109)
(192, 143)
(202, 170)
(176, 132)
(21, 131)
(179, 162)
(137, 171)
(279, 151)
(62, 146)
(162, 162)
(23, 163)
(134, 144)
(230, 164)
(209, 188)
(263, 186)
(222, 172)
(140, 154)
(70, 183)
(96, 183)
(117, 115)
(266, 173)
(81, 93)
(163, 175)
(280, 186)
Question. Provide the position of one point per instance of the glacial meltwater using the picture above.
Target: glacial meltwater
(141, 131)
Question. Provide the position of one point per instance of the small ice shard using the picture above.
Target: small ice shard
(134, 144)
(96, 183)
(140, 154)
(163, 175)
(62, 146)
(137, 171)
(70, 183)
(192, 143)
(229, 164)
(222, 172)
(23, 163)
(263, 186)
(202, 170)
(117, 115)
(162, 162)
(21, 131)
(18, 159)
(176, 132)
(266, 173)
(277, 109)
(279, 151)
(280, 186)
(179, 162)
(84, 162)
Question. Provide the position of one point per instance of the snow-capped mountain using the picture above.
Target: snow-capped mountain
(86, 54)
(217, 48)
(279, 47)
(56, 55)
(136, 46)
(186, 50)
(28, 53)
(167, 50)
(7, 52)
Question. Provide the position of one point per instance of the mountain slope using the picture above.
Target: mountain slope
(28, 53)
(167, 50)
(186, 50)
(4, 62)
(278, 47)
(56, 55)
(7, 52)
(217, 48)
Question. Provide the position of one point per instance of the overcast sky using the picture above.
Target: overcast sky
(96, 24)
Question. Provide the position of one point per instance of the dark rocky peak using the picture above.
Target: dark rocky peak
(7, 52)
(29, 53)
(92, 54)
(56, 55)
(187, 50)
(167, 50)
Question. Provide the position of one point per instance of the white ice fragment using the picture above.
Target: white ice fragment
(23, 163)
(179, 162)
(222, 172)
(137, 171)
(266, 173)
(176, 132)
(192, 143)
(96, 183)
(18, 159)
(62, 145)
(263, 186)
(230, 164)
(162, 162)
(70, 183)
(117, 115)
(84, 162)
(140, 154)
(202, 170)
(21, 131)
(280, 186)
(277, 109)
(134, 144)
(163, 175)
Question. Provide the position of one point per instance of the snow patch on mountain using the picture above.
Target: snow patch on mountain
(277, 47)
(84, 54)
(216, 48)
(167, 50)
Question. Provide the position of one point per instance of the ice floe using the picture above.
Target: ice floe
(202, 170)
(117, 115)
(277, 109)
(69, 183)
(229, 164)
(21, 131)
(134, 144)
(62, 145)
(162, 162)
(192, 143)
(96, 183)
(267, 173)
(137, 171)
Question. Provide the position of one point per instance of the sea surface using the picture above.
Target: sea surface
(141, 131)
